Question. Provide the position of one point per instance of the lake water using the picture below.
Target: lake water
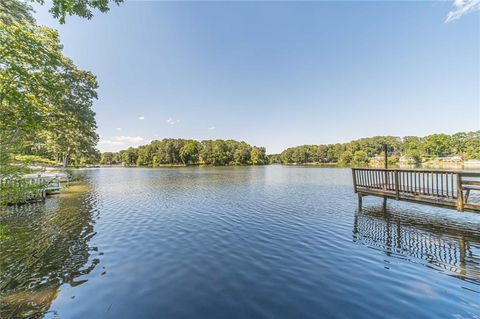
(241, 242)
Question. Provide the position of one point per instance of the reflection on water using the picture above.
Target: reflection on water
(42, 247)
(442, 244)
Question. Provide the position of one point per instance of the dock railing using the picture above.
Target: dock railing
(434, 187)
(28, 189)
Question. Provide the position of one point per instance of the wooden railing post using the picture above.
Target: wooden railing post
(385, 150)
(459, 193)
(397, 188)
(354, 180)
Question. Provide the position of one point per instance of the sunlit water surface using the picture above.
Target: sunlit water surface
(246, 242)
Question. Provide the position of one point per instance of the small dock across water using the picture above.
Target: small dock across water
(451, 189)
(31, 188)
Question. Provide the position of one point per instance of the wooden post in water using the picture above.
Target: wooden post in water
(459, 193)
(354, 181)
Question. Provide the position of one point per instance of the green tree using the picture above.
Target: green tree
(274, 159)
(71, 126)
(345, 158)
(45, 100)
(471, 145)
(208, 152)
(360, 158)
(219, 154)
(106, 158)
(322, 153)
(242, 154)
(438, 145)
(257, 155)
(15, 11)
(30, 60)
(413, 147)
(189, 152)
(129, 157)
(82, 8)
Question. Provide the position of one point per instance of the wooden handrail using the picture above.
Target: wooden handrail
(459, 194)
(464, 173)
(476, 183)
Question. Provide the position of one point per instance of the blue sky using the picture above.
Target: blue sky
(278, 74)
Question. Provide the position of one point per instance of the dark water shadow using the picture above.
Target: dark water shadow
(44, 246)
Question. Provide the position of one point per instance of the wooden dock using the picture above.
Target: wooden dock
(29, 189)
(452, 189)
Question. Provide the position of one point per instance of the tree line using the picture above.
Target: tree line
(188, 152)
(362, 151)
(45, 99)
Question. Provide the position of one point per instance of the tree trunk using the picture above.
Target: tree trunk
(66, 158)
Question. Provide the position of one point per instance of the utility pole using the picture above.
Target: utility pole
(385, 151)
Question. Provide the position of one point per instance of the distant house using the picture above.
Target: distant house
(472, 163)
(450, 159)
(377, 161)
(408, 160)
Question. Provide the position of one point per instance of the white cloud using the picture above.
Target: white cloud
(118, 128)
(120, 142)
(129, 139)
(211, 128)
(141, 117)
(461, 8)
(109, 142)
(172, 121)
